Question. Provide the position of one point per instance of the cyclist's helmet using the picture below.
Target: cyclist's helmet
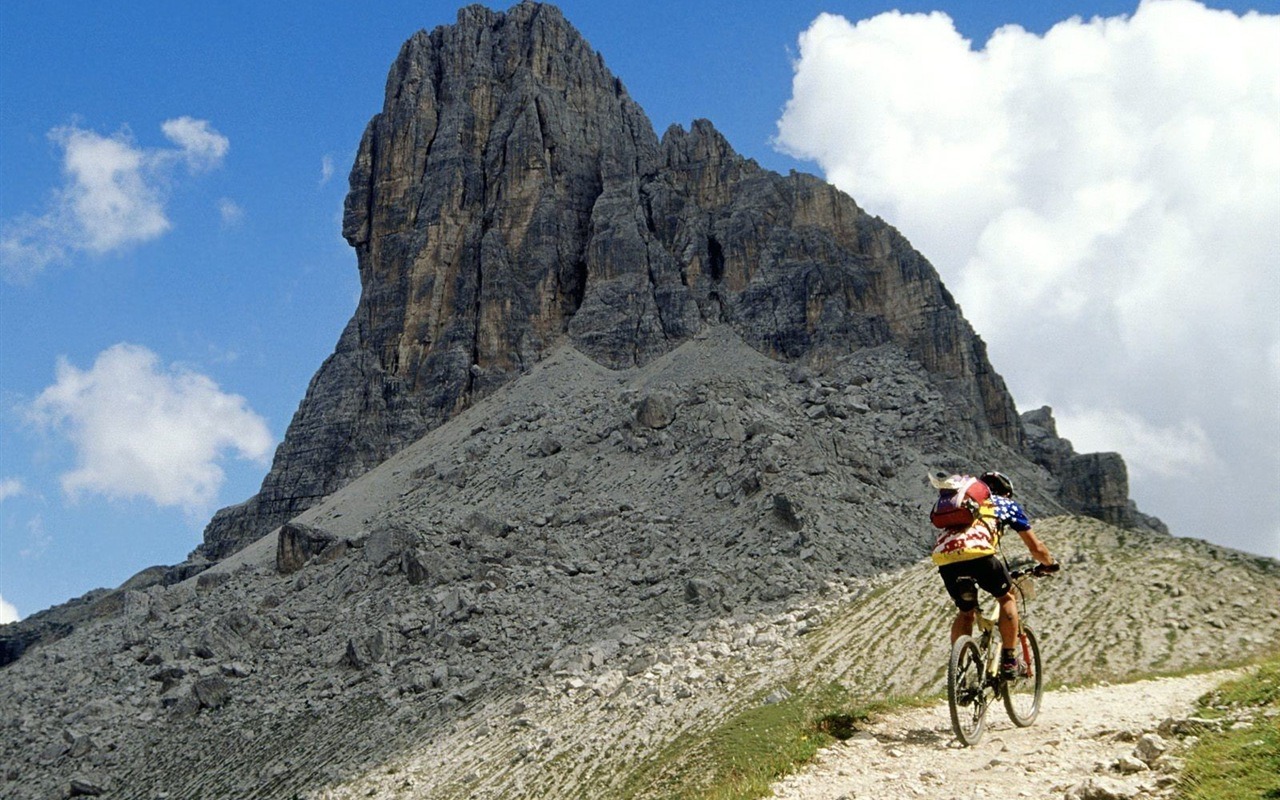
(997, 483)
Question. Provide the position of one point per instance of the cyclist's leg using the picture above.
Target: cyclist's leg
(962, 625)
(964, 593)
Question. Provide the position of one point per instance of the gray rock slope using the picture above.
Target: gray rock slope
(542, 594)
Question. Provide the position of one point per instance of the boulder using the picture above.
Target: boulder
(211, 692)
(89, 784)
(786, 512)
(387, 544)
(365, 651)
(298, 544)
(656, 411)
(1150, 748)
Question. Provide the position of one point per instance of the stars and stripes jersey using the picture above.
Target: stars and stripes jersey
(1009, 513)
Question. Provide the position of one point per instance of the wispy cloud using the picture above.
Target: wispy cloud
(326, 169)
(141, 430)
(113, 195)
(200, 145)
(231, 212)
(1102, 200)
(11, 487)
(38, 538)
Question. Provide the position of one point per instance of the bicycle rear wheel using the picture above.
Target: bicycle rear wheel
(966, 691)
(1022, 694)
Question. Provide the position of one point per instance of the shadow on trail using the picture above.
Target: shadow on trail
(918, 736)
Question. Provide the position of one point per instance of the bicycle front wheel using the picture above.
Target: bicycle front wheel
(1022, 694)
(966, 691)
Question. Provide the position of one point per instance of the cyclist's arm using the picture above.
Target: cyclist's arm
(1038, 551)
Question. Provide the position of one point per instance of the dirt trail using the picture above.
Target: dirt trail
(914, 755)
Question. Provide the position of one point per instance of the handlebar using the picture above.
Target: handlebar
(1038, 570)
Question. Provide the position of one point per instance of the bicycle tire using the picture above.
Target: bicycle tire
(967, 695)
(1022, 694)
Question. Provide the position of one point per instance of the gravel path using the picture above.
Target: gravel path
(1069, 752)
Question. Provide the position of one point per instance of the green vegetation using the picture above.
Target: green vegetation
(1244, 760)
(741, 758)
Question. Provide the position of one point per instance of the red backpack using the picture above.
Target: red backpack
(959, 499)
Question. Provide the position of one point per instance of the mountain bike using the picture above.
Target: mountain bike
(973, 671)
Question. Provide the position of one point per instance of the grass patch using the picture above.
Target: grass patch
(740, 759)
(1243, 762)
(1259, 690)
(1155, 672)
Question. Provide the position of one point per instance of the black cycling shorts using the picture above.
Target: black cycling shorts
(962, 579)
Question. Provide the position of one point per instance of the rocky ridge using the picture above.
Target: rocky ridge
(543, 593)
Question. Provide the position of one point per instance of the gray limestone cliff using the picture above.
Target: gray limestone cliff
(511, 196)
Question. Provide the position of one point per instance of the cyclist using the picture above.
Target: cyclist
(975, 565)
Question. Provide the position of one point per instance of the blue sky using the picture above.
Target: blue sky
(171, 182)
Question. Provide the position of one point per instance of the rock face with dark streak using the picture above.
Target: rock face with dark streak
(511, 196)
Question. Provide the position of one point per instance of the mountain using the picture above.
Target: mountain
(511, 198)
(625, 434)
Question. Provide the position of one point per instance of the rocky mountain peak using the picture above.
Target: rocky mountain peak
(511, 197)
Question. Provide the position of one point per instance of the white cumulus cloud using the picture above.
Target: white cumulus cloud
(7, 612)
(1103, 201)
(113, 195)
(111, 198)
(141, 430)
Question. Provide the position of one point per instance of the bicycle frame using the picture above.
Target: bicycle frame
(989, 628)
(974, 677)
